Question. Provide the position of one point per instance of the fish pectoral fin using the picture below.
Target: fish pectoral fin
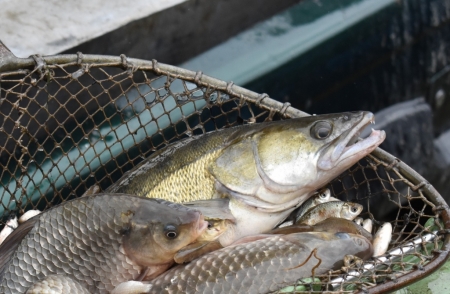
(57, 284)
(132, 287)
(92, 190)
(213, 208)
(195, 250)
(151, 272)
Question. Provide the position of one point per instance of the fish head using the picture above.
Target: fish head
(350, 210)
(297, 156)
(323, 195)
(157, 229)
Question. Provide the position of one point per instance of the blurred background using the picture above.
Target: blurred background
(391, 57)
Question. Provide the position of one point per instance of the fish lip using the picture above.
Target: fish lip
(342, 151)
(202, 225)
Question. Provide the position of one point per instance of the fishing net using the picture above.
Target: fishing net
(68, 122)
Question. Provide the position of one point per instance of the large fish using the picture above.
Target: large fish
(266, 170)
(96, 242)
(261, 266)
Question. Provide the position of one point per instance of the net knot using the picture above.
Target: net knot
(393, 164)
(155, 66)
(40, 65)
(228, 89)
(439, 208)
(260, 98)
(198, 76)
(80, 57)
(123, 57)
(284, 108)
(419, 185)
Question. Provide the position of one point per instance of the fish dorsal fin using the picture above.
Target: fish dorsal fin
(213, 208)
(13, 241)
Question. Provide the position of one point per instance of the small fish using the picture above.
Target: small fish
(367, 224)
(341, 209)
(262, 266)
(322, 196)
(266, 170)
(382, 239)
(330, 225)
(102, 240)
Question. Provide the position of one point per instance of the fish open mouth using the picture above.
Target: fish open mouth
(202, 225)
(351, 148)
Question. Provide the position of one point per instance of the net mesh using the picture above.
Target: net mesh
(66, 126)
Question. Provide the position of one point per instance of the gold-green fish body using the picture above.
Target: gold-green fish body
(177, 173)
(323, 211)
(266, 170)
(267, 165)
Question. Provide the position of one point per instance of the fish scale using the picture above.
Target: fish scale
(80, 243)
(48, 236)
(261, 266)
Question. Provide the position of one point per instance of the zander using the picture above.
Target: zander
(266, 170)
(93, 243)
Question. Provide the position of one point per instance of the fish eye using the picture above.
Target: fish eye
(323, 195)
(321, 130)
(170, 231)
(354, 209)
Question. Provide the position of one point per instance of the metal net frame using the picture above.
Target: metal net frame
(68, 122)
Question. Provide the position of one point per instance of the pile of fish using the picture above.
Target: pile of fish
(253, 217)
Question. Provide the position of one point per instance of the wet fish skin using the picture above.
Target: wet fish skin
(340, 209)
(330, 225)
(367, 225)
(97, 241)
(59, 284)
(382, 239)
(262, 266)
(323, 196)
(189, 169)
(247, 165)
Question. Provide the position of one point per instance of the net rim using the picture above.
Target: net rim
(9, 63)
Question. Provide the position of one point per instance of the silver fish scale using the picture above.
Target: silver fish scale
(79, 240)
(59, 284)
(262, 266)
(234, 268)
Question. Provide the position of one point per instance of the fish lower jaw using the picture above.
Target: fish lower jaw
(351, 154)
(363, 147)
